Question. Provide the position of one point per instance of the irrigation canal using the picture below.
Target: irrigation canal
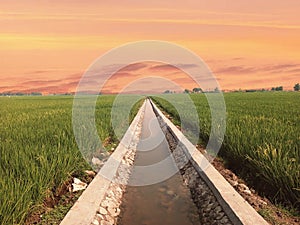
(166, 202)
(140, 183)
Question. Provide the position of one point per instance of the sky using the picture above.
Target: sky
(46, 46)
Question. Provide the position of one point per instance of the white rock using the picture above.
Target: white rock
(111, 210)
(96, 161)
(170, 192)
(103, 211)
(90, 173)
(243, 186)
(100, 216)
(105, 203)
(118, 211)
(111, 193)
(95, 222)
(78, 185)
(263, 202)
(233, 183)
(247, 191)
(108, 198)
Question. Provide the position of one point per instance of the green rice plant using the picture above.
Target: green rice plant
(262, 137)
(38, 151)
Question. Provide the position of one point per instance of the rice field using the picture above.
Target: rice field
(38, 151)
(262, 139)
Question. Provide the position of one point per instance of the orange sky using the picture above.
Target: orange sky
(247, 44)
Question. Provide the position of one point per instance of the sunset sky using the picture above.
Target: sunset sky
(47, 46)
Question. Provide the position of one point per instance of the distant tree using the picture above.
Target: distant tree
(167, 92)
(279, 88)
(217, 90)
(186, 91)
(297, 87)
(36, 93)
(197, 90)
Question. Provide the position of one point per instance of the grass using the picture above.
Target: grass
(38, 151)
(55, 215)
(261, 141)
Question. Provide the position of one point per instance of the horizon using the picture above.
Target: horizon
(144, 93)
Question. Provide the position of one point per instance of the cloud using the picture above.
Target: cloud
(109, 72)
(168, 67)
(49, 89)
(134, 67)
(163, 67)
(12, 89)
(123, 75)
(281, 66)
(186, 66)
(236, 70)
(295, 71)
(229, 76)
(74, 76)
(42, 71)
(39, 82)
(66, 84)
(237, 58)
(275, 68)
(191, 81)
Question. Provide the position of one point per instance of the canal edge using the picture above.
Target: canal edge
(85, 208)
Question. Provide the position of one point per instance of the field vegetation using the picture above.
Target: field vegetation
(38, 151)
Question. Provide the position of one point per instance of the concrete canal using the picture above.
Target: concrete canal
(146, 202)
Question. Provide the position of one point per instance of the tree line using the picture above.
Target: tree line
(216, 90)
(20, 94)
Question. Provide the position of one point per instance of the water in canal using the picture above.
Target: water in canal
(154, 197)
